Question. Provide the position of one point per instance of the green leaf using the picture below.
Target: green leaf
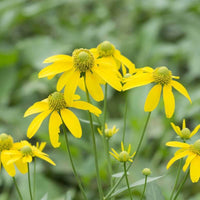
(119, 175)
(153, 192)
(45, 197)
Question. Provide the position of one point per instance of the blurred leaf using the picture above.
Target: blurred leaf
(119, 175)
(153, 192)
(45, 197)
(8, 57)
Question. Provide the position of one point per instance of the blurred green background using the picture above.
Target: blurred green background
(150, 33)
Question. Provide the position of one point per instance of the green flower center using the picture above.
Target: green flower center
(83, 60)
(196, 147)
(26, 150)
(105, 49)
(56, 101)
(162, 75)
(124, 156)
(186, 133)
(6, 142)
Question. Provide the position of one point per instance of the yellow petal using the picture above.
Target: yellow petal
(94, 87)
(184, 124)
(137, 80)
(95, 53)
(177, 144)
(57, 58)
(195, 131)
(181, 89)
(190, 157)
(194, 169)
(50, 77)
(22, 167)
(153, 98)
(54, 128)
(36, 108)
(114, 155)
(109, 75)
(40, 155)
(81, 83)
(72, 122)
(169, 100)
(177, 157)
(123, 70)
(176, 129)
(70, 87)
(36, 123)
(86, 106)
(129, 149)
(27, 158)
(54, 69)
(122, 146)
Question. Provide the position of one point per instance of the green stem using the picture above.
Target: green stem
(145, 184)
(72, 163)
(177, 178)
(125, 173)
(138, 148)
(109, 163)
(94, 148)
(29, 182)
(125, 116)
(34, 179)
(18, 191)
(181, 185)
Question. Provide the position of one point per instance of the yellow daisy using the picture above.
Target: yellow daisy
(81, 63)
(107, 51)
(109, 132)
(193, 157)
(24, 153)
(163, 79)
(123, 156)
(58, 109)
(185, 133)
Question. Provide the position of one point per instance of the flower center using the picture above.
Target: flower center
(6, 142)
(196, 147)
(56, 101)
(105, 49)
(26, 150)
(83, 59)
(124, 156)
(162, 75)
(186, 133)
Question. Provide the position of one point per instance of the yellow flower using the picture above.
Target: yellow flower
(109, 132)
(193, 157)
(123, 156)
(163, 79)
(110, 54)
(58, 109)
(185, 133)
(81, 63)
(24, 153)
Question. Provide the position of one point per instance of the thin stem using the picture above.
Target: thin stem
(34, 179)
(109, 163)
(94, 148)
(145, 184)
(18, 191)
(29, 182)
(72, 163)
(138, 148)
(125, 115)
(177, 178)
(125, 173)
(181, 185)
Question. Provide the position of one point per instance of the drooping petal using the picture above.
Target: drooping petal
(176, 129)
(137, 80)
(71, 86)
(190, 157)
(169, 100)
(181, 89)
(86, 106)
(177, 144)
(94, 87)
(42, 156)
(22, 167)
(37, 107)
(195, 131)
(58, 58)
(194, 169)
(54, 128)
(72, 122)
(177, 157)
(153, 98)
(81, 84)
(36, 123)
(55, 68)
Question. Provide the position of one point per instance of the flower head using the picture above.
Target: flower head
(163, 79)
(107, 52)
(193, 157)
(58, 109)
(109, 132)
(123, 156)
(185, 132)
(82, 63)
